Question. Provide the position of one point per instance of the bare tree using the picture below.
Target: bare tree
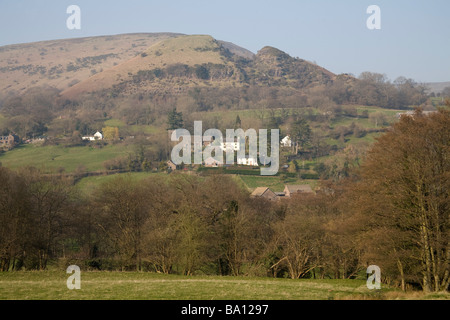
(405, 189)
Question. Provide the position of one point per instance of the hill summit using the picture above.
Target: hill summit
(155, 63)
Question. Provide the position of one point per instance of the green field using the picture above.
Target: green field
(275, 183)
(88, 184)
(54, 157)
(43, 285)
(2, 120)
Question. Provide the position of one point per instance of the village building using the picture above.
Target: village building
(412, 113)
(247, 161)
(212, 163)
(8, 142)
(286, 141)
(172, 166)
(235, 146)
(96, 136)
(289, 192)
(293, 190)
(264, 192)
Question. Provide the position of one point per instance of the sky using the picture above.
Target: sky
(414, 39)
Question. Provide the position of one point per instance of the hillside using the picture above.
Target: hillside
(159, 66)
(62, 63)
(149, 63)
(130, 83)
(174, 65)
(437, 87)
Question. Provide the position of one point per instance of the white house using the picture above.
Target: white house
(230, 145)
(97, 136)
(211, 162)
(247, 161)
(286, 142)
(412, 113)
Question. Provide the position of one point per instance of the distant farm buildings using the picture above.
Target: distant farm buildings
(286, 142)
(8, 142)
(264, 192)
(96, 136)
(290, 191)
(172, 166)
(247, 161)
(413, 113)
(212, 163)
(235, 146)
(293, 190)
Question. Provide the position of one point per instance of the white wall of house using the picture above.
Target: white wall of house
(247, 161)
(235, 146)
(286, 142)
(97, 136)
(211, 162)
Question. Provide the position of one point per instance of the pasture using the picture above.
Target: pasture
(103, 285)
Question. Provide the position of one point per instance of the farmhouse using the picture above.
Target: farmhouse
(264, 192)
(412, 113)
(289, 192)
(8, 142)
(247, 161)
(211, 162)
(286, 142)
(235, 146)
(292, 190)
(172, 166)
(97, 136)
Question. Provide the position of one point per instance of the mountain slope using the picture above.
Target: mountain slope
(61, 63)
(154, 63)
(160, 66)
(177, 64)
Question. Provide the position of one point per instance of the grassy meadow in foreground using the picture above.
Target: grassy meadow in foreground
(44, 285)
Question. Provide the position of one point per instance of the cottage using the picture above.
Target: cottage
(211, 162)
(247, 161)
(235, 146)
(8, 142)
(292, 190)
(97, 136)
(413, 113)
(172, 166)
(286, 141)
(264, 192)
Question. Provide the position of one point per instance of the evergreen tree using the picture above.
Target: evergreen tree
(301, 133)
(237, 123)
(174, 120)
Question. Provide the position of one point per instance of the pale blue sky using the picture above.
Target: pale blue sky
(414, 40)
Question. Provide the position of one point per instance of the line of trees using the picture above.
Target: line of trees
(41, 111)
(393, 211)
(374, 89)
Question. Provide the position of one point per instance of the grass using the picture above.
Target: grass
(275, 183)
(88, 184)
(114, 123)
(54, 157)
(103, 285)
(2, 121)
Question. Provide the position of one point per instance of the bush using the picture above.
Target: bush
(202, 73)
(312, 176)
